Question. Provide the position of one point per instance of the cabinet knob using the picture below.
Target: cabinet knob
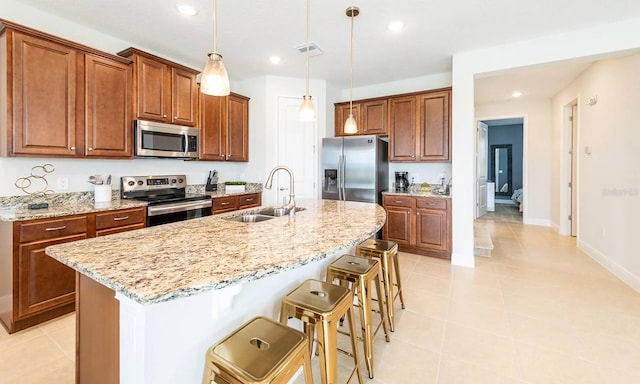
(175, 118)
(164, 116)
(418, 214)
(73, 148)
(89, 149)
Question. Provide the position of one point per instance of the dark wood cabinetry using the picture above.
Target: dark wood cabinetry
(234, 202)
(39, 287)
(224, 125)
(62, 99)
(163, 91)
(370, 115)
(420, 127)
(419, 225)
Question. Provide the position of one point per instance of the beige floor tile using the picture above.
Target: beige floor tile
(492, 352)
(402, 363)
(433, 285)
(545, 366)
(463, 290)
(59, 371)
(488, 318)
(612, 376)
(614, 353)
(443, 271)
(419, 330)
(34, 354)
(453, 371)
(426, 303)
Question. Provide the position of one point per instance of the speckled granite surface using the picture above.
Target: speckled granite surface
(200, 188)
(55, 209)
(417, 194)
(175, 260)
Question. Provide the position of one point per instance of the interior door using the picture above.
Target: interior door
(296, 150)
(574, 170)
(481, 168)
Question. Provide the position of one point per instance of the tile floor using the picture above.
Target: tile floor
(538, 311)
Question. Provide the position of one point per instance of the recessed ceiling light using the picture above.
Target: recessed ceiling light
(186, 10)
(275, 59)
(395, 26)
(516, 94)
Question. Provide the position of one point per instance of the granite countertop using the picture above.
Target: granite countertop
(68, 208)
(170, 261)
(417, 194)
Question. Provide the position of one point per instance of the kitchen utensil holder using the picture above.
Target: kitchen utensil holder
(102, 193)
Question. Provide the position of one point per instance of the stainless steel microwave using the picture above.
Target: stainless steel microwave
(165, 140)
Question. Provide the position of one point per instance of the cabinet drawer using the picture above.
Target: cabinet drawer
(431, 203)
(248, 201)
(119, 218)
(51, 229)
(398, 201)
(223, 204)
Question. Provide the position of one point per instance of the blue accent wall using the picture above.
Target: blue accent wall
(508, 134)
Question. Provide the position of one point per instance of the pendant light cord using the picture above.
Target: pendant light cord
(308, 17)
(351, 68)
(215, 27)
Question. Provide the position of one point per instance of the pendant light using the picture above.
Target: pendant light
(307, 109)
(215, 80)
(350, 126)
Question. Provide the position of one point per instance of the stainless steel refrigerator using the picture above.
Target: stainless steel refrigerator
(354, 168)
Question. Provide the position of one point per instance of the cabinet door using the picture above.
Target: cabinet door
(107, 108)
(341, 115)
(44, 98)
(435, 127)
(121, 220)
(398, 225)
(402, 129)
(374, 117)
(213, 123)
(224, 204)
(43, 283)
(184, 91)
(432, 229)
(237, 128)
(152, 89)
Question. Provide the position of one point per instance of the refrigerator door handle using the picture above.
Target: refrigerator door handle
(343, 164)
(340, 178)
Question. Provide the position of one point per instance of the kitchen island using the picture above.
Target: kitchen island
(150, 302)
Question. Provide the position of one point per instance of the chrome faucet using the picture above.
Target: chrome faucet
(291, 207)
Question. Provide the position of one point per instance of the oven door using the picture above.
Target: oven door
(172, 212)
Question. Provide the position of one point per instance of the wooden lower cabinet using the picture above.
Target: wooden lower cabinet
(35, 287)
(235, 202)
(420, 225)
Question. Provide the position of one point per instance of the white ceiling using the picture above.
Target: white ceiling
(249, 31)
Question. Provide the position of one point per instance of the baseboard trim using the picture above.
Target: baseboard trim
(616, 269)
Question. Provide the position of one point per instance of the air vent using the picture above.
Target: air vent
(314, 50)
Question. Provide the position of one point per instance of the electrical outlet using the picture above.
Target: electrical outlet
(62, 183)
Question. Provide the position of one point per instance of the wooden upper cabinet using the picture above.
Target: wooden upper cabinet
(42, 96)
(374, 117)
(371, 117)
(238, 128)
(164, 91)
(213, 127)
(108, 108)
(224, 128)
(434, 126)
(341, 115)
(402, 128)
(63, 99)
(184, 91)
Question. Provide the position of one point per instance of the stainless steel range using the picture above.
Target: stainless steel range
(166, 196)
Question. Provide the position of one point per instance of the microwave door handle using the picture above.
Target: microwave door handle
(186, 143)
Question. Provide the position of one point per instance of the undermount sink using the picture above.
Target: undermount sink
(277, 212)
(251, 218)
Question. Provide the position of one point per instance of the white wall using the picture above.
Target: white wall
(597, 41)
(609, 177)
(537, 152)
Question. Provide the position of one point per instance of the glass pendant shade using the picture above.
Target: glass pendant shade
(307, 109)
(215, 80)
(350, 126)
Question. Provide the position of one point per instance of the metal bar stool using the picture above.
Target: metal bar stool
(320, 305)
(387, 253)
(361, 272)
(260, 351)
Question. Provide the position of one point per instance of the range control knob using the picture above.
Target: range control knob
(131, 183)
(173, 181)
(140, 182)
(180, 181)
